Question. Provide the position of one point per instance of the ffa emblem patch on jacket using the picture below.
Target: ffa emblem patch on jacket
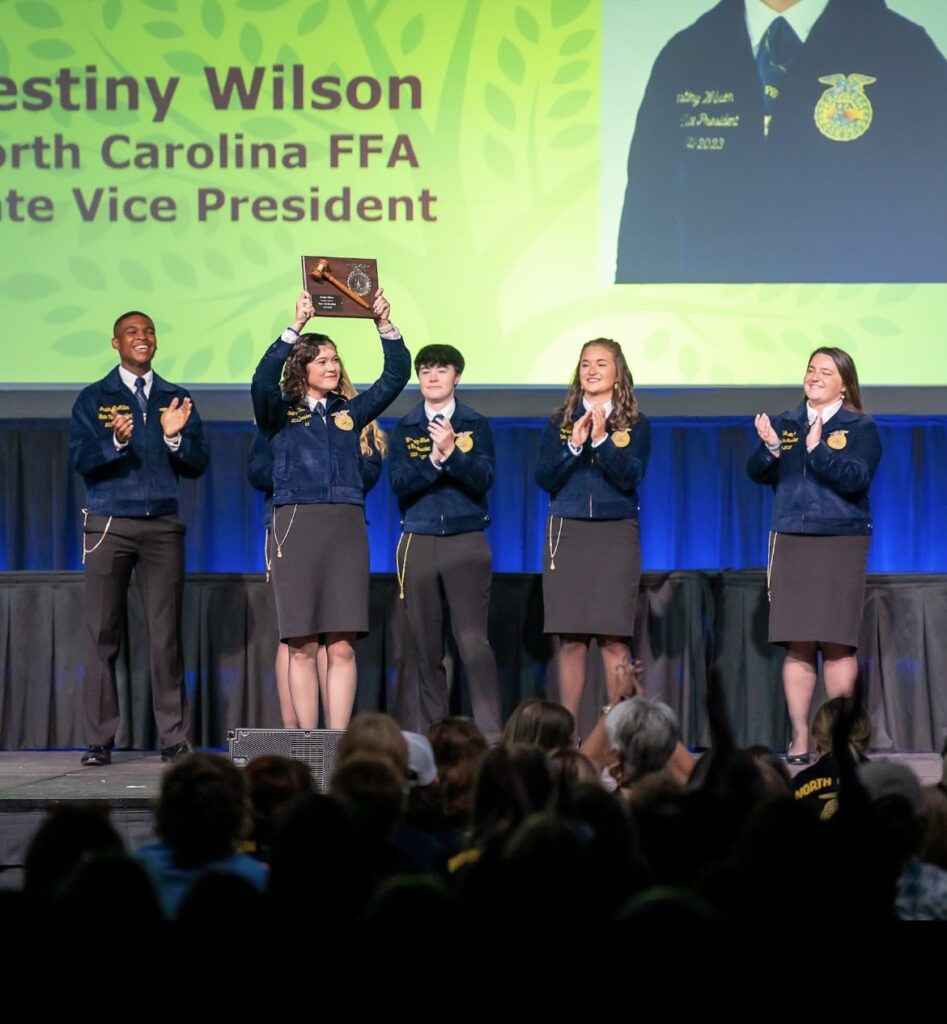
(621, 438)
(342, 420)
(844, 112)
(464, 441)
(837, 439)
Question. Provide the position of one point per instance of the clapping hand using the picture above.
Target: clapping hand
(176, 416)
(581, 430)
(598, 424)
(765, 430)
(815, 433)
(122, 427)
(442, 435)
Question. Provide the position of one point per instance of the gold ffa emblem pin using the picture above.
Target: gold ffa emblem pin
(621, 438)
(844, 112)
(464, 441)
(342, 420)
(837, 439)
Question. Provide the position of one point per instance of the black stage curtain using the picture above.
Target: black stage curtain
(687, 622)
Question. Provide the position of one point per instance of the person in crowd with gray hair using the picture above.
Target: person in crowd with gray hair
(644, 733)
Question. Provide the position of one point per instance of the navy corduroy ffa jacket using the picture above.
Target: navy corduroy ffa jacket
(314, 460)
(140, 479)
(452, 499)
(600, 482)
(260, 471)
(824, 491)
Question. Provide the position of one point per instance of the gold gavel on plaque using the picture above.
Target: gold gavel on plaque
(320, 272)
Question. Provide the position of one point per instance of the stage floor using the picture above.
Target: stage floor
(33, 781)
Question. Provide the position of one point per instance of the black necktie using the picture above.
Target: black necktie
(777, 51)
(140, 395)
(321, 409)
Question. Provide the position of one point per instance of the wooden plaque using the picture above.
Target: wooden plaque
(339, 285)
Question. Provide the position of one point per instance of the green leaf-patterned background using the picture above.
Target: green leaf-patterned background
(516, 267)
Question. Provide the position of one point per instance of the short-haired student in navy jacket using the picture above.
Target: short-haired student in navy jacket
(441, 468)
(131, 436)
(820, 459)
(320, 566)
(592, 459)
(373, 445)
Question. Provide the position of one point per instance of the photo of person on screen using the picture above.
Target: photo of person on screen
(790, 140)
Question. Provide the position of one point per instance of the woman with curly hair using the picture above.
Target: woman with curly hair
(373, 447)
(319, 539)
(592, 458)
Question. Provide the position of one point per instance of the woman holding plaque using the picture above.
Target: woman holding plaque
(373, 446)
(820, 459)
(319, 553)
(592, 458)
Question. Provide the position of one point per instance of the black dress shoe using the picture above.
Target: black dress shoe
(96, 757)
(798, 758)
(172, 754)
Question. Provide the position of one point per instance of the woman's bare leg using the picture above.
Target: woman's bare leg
(840, 670)
(341, 679)
(571, 664)
(287, 714)
(303, 683)
(800, 673)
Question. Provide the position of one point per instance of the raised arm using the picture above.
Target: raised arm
(396, 371)
(269, 409)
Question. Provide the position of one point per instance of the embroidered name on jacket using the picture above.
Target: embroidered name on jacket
(418, 447)
(107, 413)
(299, 414)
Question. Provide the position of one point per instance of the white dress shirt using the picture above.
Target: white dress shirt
(129, 379)
(801, 16)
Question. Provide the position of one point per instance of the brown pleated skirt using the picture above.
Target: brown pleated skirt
(817, 588)
(593, 589)
(321, 581)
